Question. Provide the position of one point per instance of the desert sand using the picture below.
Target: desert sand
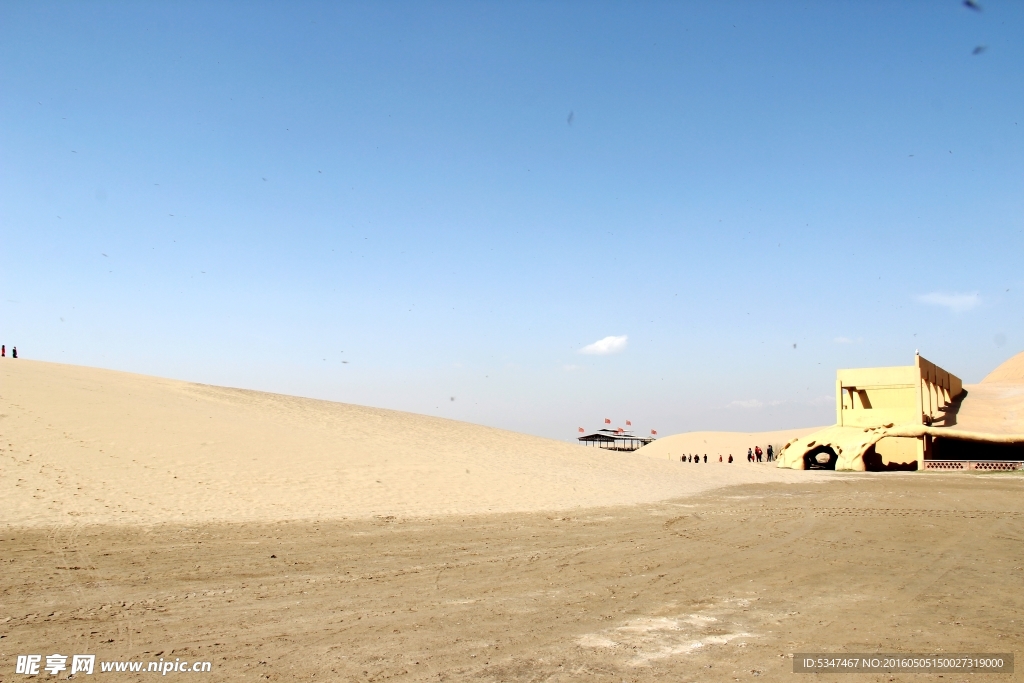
(714, 444)
(722, 586)
(287, 539)
(996, 404)
(84, 445)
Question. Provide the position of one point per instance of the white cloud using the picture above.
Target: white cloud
(956, 302)
(748, 403)
(753, 403)
(603, 347)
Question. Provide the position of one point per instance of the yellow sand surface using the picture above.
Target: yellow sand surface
(84, 445)
(714, 444)
(996, 405)
(719, 587)
(1010, 371)
(991, 407)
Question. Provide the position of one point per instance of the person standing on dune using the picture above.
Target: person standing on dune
(730, 457)
(3, 350)
(14, 352)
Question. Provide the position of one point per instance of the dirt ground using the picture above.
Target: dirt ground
(724, 586)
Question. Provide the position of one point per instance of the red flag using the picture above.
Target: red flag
(654, 432)
(581, 430)
(619, 430)
(628, 423)
(607, 421)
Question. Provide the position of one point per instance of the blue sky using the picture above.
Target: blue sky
(398, 204)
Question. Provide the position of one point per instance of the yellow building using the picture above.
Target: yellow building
(884, 419)
(873, 397)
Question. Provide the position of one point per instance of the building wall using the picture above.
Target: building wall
(897, 451)
(874, 397)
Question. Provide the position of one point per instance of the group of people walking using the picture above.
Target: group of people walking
(754, 454)
(3, 351)
(696, 458)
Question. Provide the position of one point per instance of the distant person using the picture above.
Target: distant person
(14, 352)
(3, 350)
(771, 453)
(730, 457)
(758, 452)
(705, 458)
(696, 459)
(719, 457)
(750, 455)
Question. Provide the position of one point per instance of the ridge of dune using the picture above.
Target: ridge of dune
(993, 407)
(86, 445)
(714, 444)
(1011, 370)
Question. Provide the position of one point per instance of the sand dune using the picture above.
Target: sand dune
(992, 407)
(1010, 371)
(96, 446)
(714, 444)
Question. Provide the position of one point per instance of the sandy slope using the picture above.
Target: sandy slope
(1010, 371)
(714, 444)
(720, 587)
(87, 445)
(996, 405)
(992, 407)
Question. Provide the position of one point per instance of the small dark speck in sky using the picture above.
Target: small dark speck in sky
(978, 50)
(569, 119)
(794, 346)
(970, 4)
(264, 180)
(452, 398)
(104, 254)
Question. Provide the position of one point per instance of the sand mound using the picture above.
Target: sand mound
(996, 404)
(993, 407)
(714, 444)
(1010, 371)
(87, 445)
